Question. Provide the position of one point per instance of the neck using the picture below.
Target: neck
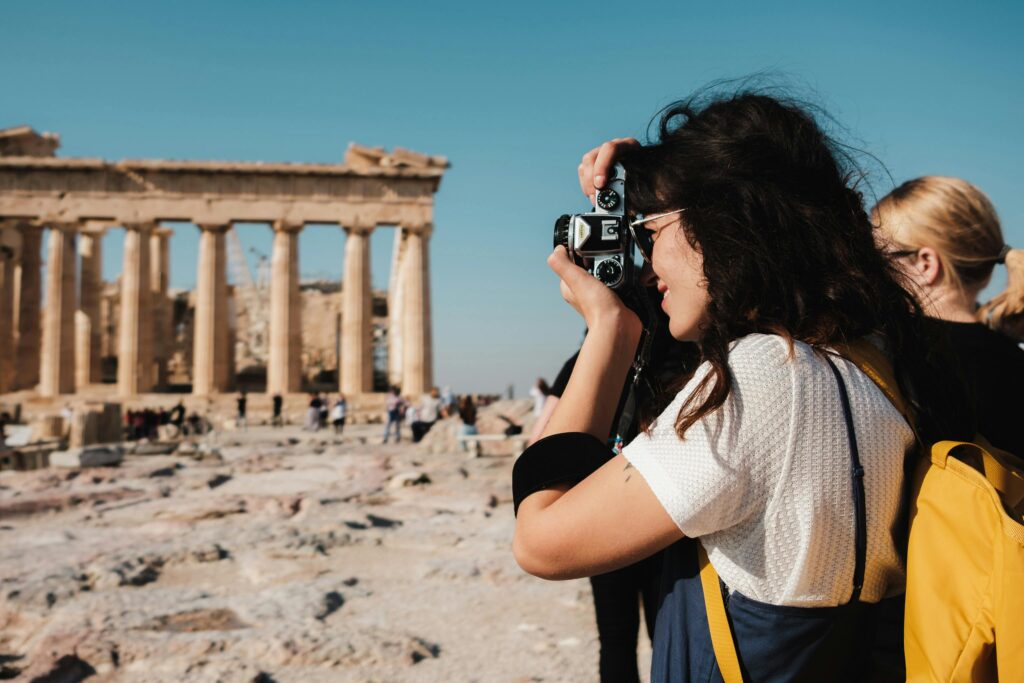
(947, 303)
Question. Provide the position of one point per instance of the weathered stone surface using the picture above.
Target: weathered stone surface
(88, 456)
(46, 427)
(154, 579)
(410, 478)
(154, 447)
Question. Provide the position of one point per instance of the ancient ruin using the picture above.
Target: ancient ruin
(61, 346)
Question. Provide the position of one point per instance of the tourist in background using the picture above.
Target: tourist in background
(539, 393)
(322, 410)
(944, 235)
(278, 403)
(394, 407)
(429, 413)
(449, 402)
(313, 413)
(242, 401)
(177, 417)
(411, 413)
(338, 414)
(467, 414)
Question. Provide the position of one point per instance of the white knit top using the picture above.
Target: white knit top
(765, 481)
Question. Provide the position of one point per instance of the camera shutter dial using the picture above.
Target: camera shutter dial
(607, 199)
(609, 272)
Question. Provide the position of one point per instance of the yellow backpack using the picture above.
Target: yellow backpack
(964, 618)
(965, 562)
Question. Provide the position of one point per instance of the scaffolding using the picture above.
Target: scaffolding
(251, 296)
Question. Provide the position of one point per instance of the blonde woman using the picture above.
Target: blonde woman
(945, 236)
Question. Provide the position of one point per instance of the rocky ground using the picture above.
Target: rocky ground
(280, 555)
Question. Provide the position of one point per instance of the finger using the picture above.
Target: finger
(605, 159)
(568, 295)
(606, 156)
(586, 171)
(571, 274)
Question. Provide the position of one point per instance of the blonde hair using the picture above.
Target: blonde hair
(959, 221)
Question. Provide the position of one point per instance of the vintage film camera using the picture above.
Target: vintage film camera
(601, 242)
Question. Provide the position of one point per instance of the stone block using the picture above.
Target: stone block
(95, 423)
(47, 427)
(90, 456)
(154, 448)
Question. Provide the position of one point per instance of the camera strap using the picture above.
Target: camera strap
(640, 361)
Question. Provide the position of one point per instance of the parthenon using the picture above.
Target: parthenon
(56, 347)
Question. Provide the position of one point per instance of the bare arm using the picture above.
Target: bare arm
(609, 520)
(612, 518)
(542, 420)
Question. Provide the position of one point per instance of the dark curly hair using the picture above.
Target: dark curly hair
(772, 205)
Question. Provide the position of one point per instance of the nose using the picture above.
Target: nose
(647, 276)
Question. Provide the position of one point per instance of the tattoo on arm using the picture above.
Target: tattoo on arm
(627, 468)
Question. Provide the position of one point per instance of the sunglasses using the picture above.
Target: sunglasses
(645, 240)
(900, 253)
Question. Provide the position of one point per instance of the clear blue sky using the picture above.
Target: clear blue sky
(512, 94)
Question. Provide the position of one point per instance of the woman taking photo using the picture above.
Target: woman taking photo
(944, 235)
(765, 258)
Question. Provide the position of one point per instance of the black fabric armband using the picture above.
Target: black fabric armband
(557, 459)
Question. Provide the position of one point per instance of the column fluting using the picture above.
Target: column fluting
(57, 362)
(284, 365)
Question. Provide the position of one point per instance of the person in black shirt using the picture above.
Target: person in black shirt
(945, 235)
(278, 403)
(242, 401)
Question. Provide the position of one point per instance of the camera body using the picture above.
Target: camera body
(601, 242)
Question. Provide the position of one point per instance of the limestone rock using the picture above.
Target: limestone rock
(154, 448)
(410, 478)
(88, 456)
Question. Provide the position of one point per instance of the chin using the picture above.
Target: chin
(684, 332)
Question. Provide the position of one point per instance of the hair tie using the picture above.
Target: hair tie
(1003, 252)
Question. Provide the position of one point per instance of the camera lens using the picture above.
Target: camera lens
(609, 272)
(607, 199)
(562, 231)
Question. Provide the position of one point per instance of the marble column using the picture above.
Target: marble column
(135, 333)
(284, 366)
(57, 363)
(87, 348)
(417, 371)
(210, 331)
(27, 310)
(357, 314)
(10, 253)
(396, 298)
(159, 281)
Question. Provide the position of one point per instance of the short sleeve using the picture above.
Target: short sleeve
(716, 477)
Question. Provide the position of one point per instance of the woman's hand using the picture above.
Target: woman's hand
(599, 305)
(595, 164)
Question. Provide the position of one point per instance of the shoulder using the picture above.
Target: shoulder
(765, 355)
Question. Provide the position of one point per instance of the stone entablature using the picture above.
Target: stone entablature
(57, 189)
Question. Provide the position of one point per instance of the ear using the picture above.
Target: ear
(928, 267)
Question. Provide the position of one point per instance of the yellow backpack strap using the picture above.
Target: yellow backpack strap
(718, 620)
(876, 365)
(999, 468)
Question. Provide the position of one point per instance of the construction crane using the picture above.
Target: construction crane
(251, 296)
